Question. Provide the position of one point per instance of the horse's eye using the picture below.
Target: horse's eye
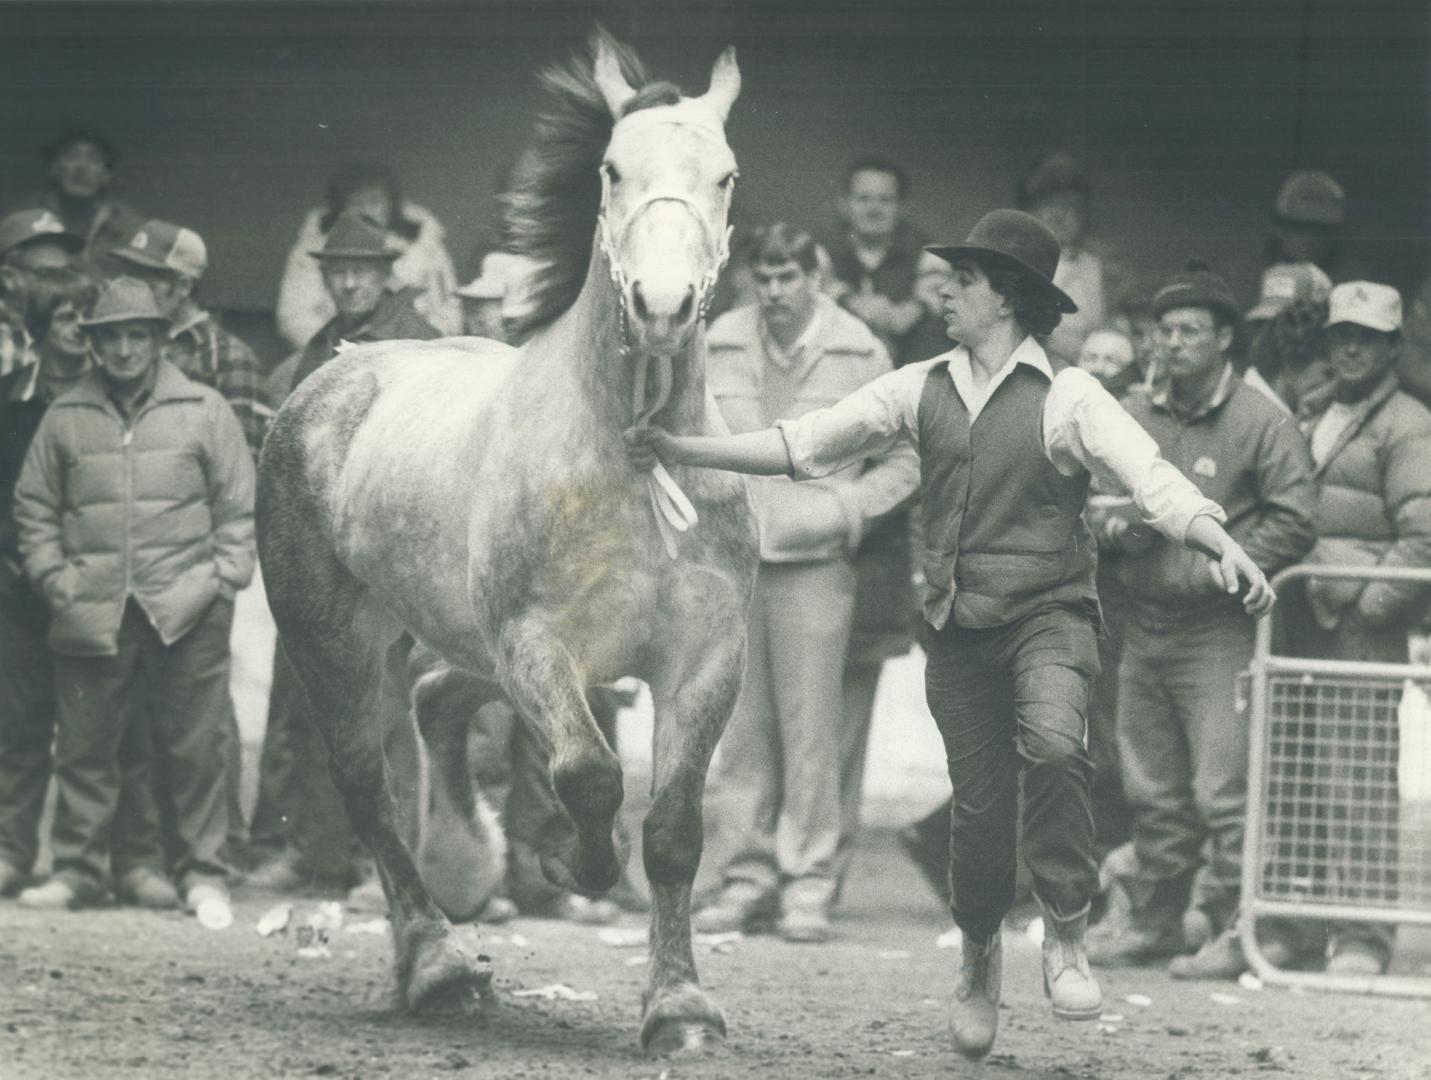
(728, 180)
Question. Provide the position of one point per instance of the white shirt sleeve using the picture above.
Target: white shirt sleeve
(872, 421)
(1085, 427)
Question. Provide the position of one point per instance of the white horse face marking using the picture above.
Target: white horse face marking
(667, 180)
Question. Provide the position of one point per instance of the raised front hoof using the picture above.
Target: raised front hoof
(680, 1023)
(448, 978)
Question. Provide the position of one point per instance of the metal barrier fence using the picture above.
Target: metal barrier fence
(1339, 795)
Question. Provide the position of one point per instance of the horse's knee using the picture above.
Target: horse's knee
(672, 839)
(591, 788)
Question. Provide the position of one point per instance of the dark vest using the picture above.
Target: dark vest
(1003, 529)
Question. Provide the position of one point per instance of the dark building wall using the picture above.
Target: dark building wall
(231, 115)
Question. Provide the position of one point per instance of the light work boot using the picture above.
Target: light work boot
(974, 1017)
(1067, 980)
(1148, 929)
(147, 888)
(1220, 958)
(739, 907)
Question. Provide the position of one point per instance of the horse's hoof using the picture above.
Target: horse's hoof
(681, 1038)
(446, 976)
(681, 1022)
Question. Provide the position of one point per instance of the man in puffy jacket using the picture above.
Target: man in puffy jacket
(135, 509)
(1371, 446)
(1181, 743)
(792, 352)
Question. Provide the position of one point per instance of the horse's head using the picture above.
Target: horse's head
(667, 178)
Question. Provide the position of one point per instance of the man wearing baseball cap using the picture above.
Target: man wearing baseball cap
(1007, 442)
(1307, 220)
(1371, 445)
(31, 241)
(135, 508)
(1182, 746)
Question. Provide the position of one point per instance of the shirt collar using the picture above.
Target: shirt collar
(803, 343)
(1163, 397)
(24, 389)
(1028, 352)
(188, 323)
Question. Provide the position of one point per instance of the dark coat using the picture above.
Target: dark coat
(395, 319)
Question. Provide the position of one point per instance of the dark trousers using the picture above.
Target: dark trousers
(27, 716)
(1012, 701)
(270, 829)
(117, 716)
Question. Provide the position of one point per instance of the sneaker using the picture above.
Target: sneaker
(147, 888)
(62, 894)
(739, 907)
(11, 878)
(1352, 957)
(804, 925)
(1220, 958)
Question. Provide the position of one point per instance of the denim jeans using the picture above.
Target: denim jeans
(1010, 702)
(1183, 747)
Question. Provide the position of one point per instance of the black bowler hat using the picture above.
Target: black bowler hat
(1016, 241)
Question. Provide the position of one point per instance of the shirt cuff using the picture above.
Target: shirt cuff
(795, 472)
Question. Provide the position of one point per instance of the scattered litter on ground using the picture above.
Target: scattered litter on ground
(1034, 932)
(1108, 1029)
(317, 951)
(950, 939)
(1249, 981)
(215, 914)
(901, 1053)
(519, 941)
(372, 926)
(557, 992)
(1112, 1018)
(622, 937)
(326, 916)
(1219, 998)
(274, 920)
(1141, 1000)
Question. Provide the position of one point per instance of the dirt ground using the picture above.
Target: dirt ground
(120, 993)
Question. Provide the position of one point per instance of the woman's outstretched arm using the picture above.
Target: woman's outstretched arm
(757, 453)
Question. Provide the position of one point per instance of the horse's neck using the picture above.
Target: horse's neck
(587, 342)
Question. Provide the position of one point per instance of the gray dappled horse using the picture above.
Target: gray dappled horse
(479, 498)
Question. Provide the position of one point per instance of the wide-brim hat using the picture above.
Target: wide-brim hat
(1016, 241)
(125, 299)
(355, 236)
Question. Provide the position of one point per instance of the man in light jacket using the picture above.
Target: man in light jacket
(135, 508)
(794, 351)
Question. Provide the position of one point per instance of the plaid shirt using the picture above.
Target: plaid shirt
(207, 353)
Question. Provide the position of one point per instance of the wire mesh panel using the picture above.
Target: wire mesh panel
(1336, 829)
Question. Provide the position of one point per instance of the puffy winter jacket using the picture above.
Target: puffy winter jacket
(1373, 505)
(159, 507)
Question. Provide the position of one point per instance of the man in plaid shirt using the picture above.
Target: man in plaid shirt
(172, 261)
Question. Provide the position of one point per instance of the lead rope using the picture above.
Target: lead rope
(673, 511)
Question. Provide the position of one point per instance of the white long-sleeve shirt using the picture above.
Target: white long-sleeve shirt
(1083, 428)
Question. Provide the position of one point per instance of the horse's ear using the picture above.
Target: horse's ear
(609, 80)
(725, 83)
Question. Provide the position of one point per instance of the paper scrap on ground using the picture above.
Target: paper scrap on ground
(557, 992)
(315, 952)
(637, 961)
(1141, 1000)
(950, 939)
(1249, 981)
(901, 1053)
(274, 920)
(215, 915)
(326, 916)
(623, 937)
(519, 941)
(1220, 998)
(1112, 1018)
(372, 926)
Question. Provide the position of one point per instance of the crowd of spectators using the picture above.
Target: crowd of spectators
(131, 422)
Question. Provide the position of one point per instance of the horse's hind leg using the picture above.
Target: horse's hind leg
(340, 667)
(693, 698)
(543, 682)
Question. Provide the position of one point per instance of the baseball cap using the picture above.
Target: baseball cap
(1311, 197)
(162, 245)
(1365, 303)
(26, 226)
(1286, 283)
(125, 299)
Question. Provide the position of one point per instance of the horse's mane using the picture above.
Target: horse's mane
(550, 206)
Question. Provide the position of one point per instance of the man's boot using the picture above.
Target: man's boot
(1067, 981)
(1149, 929)
(1220, 958)
(974, 1019)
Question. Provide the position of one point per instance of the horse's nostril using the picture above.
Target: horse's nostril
(687, 303)
(639, 301)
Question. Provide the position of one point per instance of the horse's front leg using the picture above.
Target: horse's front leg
(547, 688)
(693, 697)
